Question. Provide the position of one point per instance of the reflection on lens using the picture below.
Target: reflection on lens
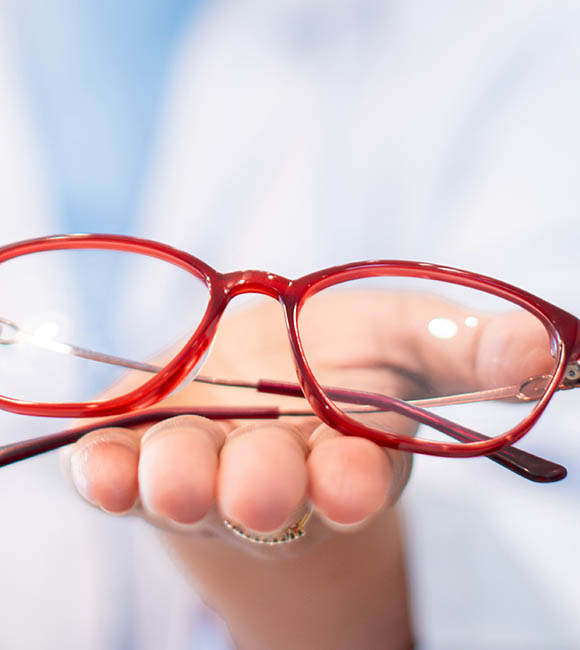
(442, 328)
(78, 324)
(471, 357)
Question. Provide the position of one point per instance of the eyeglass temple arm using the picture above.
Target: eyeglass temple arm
(527, 465)
(521, 462)
(524, 392)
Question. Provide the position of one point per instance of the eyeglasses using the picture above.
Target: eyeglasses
(413, 356)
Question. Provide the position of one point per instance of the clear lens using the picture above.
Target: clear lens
(60, 308)
(470, 357)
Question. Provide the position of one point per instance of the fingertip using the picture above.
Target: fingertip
(263, 478)
(177, 469)
(103, 469)
(349, 479)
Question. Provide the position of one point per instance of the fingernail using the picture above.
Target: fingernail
(190, 423)
(346, 528)
(97, 477)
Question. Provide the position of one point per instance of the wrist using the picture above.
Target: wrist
(328, 590)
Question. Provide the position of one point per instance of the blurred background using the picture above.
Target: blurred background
(292, 136)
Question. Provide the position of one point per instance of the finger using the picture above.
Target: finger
(103, 468)
(480, 350)
(512, 347)
(178, 467)
(262, 480)
(352, 479)
(438, 346)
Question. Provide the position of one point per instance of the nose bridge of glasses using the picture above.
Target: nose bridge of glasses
(252, 281)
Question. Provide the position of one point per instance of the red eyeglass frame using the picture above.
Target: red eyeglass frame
(563, 329)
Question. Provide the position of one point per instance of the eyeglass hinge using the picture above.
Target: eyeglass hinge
(571, 377)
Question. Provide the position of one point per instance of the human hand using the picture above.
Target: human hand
(187, 474)
(260, 475)
(267, 470)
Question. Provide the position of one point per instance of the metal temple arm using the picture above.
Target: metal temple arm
(527, 465)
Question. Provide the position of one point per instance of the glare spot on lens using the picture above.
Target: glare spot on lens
(471, 321)
(442, 328)
(47, 331)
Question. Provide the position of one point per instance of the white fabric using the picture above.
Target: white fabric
(302, 134)
(67, 572)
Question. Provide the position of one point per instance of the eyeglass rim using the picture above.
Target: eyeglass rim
(564, 329)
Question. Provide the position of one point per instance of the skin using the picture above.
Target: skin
(343, 585)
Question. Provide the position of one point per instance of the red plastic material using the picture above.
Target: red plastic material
(563, 328)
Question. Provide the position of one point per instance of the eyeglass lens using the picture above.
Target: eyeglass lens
(121, 304)
(471, 357)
